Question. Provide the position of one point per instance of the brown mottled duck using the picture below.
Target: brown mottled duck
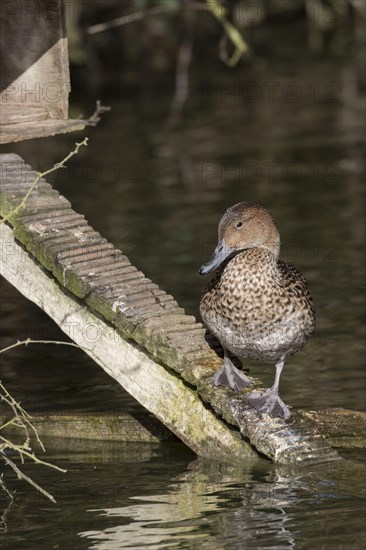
(257, 306)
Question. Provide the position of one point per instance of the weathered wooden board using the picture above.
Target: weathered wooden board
(11, 133)
(342, 428)
(137, 428)
(107, 285)
(162, 393)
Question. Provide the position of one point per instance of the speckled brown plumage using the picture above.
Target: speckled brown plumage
(258, 306)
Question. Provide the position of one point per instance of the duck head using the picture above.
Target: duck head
(244, 225)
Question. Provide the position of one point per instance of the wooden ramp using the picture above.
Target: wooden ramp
(134, 330)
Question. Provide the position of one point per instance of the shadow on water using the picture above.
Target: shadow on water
(158, 192)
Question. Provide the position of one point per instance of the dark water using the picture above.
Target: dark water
(288, 132)
(137, 496)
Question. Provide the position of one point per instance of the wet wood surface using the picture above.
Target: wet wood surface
(135, 428)
(342, 428)
(101, 281)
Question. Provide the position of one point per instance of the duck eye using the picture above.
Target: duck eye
(239, 224)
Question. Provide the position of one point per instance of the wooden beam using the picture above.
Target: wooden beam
(121, 426)
(342, 428)
(160, 392)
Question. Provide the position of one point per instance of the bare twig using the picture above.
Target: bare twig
(40, 175)
(23, 448)
(138, 15)
(4, 515)
(21, 475)
(95, 117)
(211, 6)
(231, 32)
(4, 488)
(22, 420)
(21, 417)
(29, 341)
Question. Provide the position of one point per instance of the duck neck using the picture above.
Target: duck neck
(272, 247)
(271, 241)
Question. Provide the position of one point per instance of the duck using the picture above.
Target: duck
(258, 306)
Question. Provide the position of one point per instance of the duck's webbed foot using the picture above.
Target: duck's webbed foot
(230, 376)
(269, 402)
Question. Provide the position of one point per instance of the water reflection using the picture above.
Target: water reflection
(213, 505)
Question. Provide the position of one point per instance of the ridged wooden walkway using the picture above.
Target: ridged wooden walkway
(101, 280)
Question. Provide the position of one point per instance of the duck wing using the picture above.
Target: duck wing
(296, 286)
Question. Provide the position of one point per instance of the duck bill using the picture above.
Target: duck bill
(222, 251)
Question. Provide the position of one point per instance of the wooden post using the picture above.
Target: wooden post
(35, 80)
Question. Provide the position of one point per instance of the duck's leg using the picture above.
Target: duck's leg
(230, 376)
(269, 401)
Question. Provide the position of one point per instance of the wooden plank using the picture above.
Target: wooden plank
(139, 428)
(343, 428)
(10, 133)
(160, 392)
(18, 113)
(152, 320)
